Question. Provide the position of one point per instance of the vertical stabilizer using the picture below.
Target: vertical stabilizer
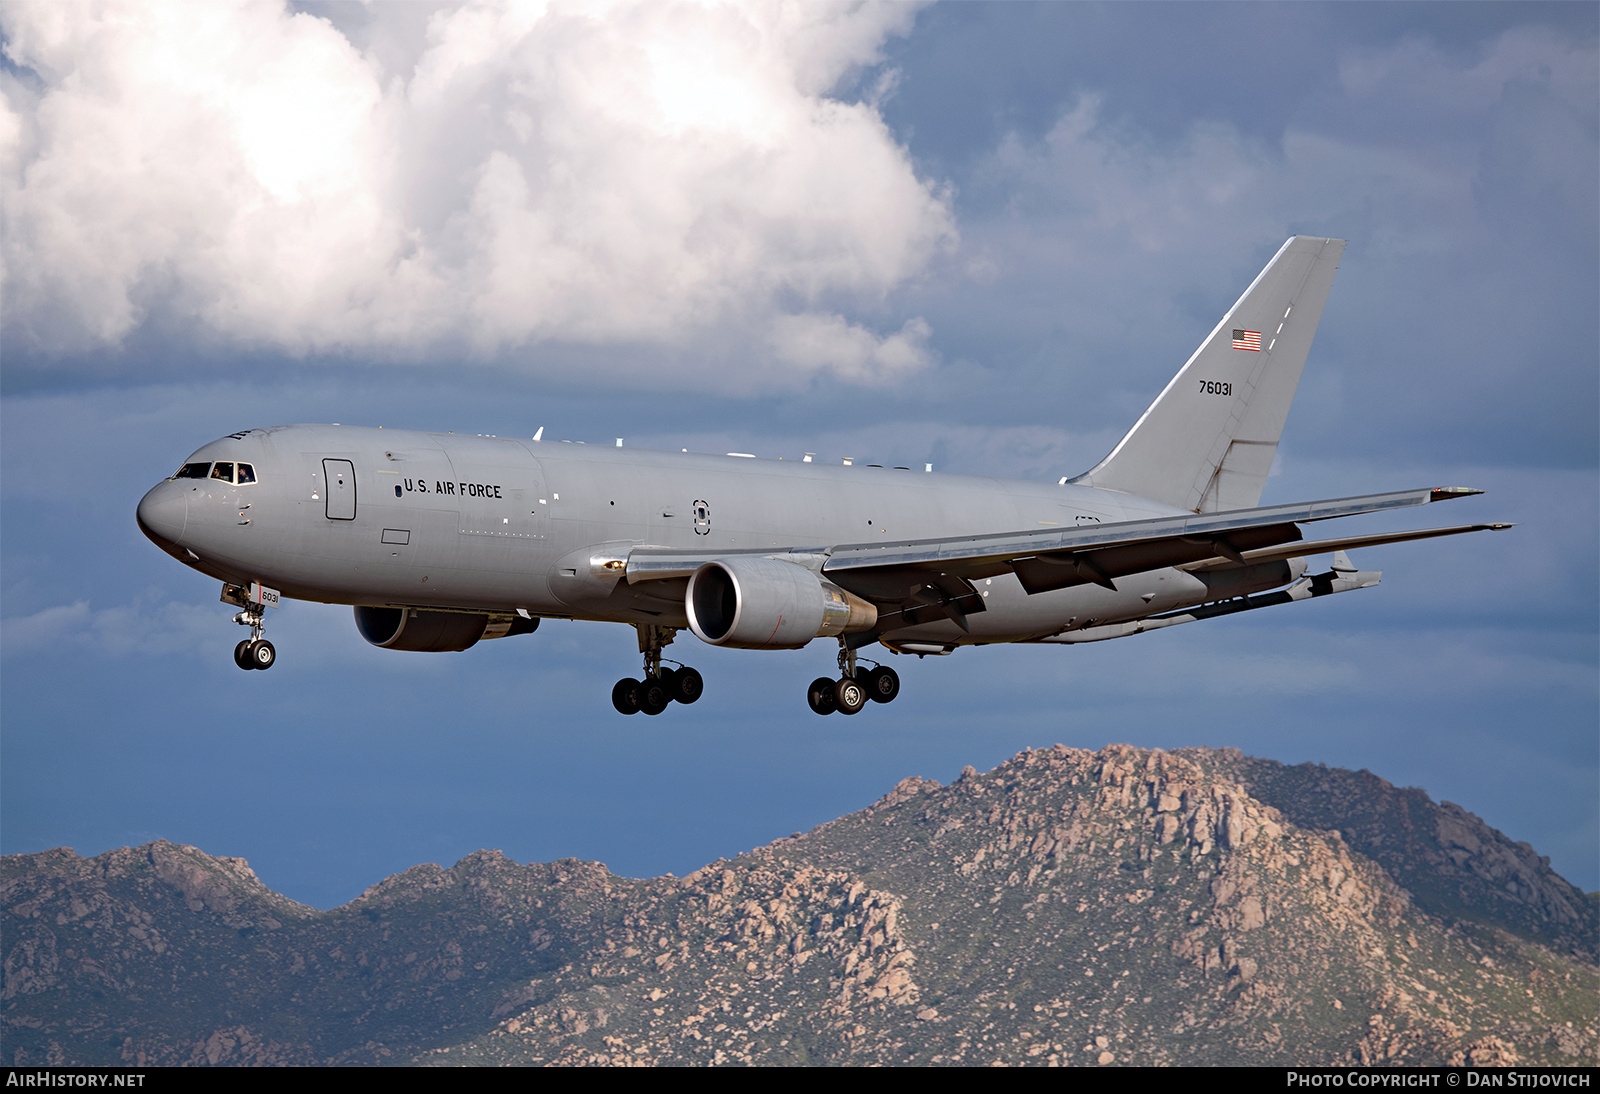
(1207, 442)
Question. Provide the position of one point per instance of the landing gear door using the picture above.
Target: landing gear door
(340, 476)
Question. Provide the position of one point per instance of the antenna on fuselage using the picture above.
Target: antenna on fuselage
(539, 434)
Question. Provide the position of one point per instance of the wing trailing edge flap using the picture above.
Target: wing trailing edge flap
(907, 597)
(1326, 546)
(1045, 572)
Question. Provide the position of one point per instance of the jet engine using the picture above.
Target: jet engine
(766, 604)
(423, 630)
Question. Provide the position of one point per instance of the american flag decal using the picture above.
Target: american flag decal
(1247, 339)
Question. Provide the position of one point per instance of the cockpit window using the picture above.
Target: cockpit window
(223, 471)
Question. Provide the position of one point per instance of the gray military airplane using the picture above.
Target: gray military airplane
(442, 540)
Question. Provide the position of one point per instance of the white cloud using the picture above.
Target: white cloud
(1195, 201)
(142, 627)
(1401, 147)
(593, 173)
(43, 629)
(828, 343)
(151, 626)
(1467, 193)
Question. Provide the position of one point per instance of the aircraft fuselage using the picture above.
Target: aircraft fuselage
(492, 524)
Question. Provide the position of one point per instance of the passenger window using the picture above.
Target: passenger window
(247, 473)
(223, 470)
(193, 471)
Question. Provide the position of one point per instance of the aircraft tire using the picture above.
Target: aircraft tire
(687, 685)
(850, 695)
(625, 696)
(653, 696)
(820, 696)
(241, 655)
(883, 684)
(262, 654)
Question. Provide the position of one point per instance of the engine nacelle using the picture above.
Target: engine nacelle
(767, 604)
(422, 630)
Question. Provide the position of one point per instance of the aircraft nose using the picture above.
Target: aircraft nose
(163, 515)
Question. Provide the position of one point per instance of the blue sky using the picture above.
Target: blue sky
(982, 236)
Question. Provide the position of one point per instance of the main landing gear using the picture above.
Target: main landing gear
(855, 686)
(660, 687)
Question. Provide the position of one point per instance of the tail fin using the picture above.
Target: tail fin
(1207, 442)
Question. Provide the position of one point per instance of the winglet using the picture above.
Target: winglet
(1445, 493)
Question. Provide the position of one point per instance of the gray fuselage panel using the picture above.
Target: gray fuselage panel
(494, 524)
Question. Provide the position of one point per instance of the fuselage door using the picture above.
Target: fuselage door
(340, 476)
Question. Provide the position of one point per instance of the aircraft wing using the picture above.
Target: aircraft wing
(935, 573)
(1057, 558)
(1346, 543)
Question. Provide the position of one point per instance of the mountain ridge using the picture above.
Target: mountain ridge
(1118, 906)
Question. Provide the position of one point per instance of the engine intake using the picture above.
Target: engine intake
(422, 630)
(767, 604)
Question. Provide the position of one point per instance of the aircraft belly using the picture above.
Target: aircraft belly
(622, 603)
(586, 588)
(417, 584)
(1137, 596)
(1012, 615)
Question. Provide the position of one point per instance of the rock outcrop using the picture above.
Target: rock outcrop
(1070, 907)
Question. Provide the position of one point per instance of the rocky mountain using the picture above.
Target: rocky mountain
(1068, 907)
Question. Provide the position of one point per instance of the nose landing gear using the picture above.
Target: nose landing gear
(661, 687)
(254, 652)
(855, 686)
